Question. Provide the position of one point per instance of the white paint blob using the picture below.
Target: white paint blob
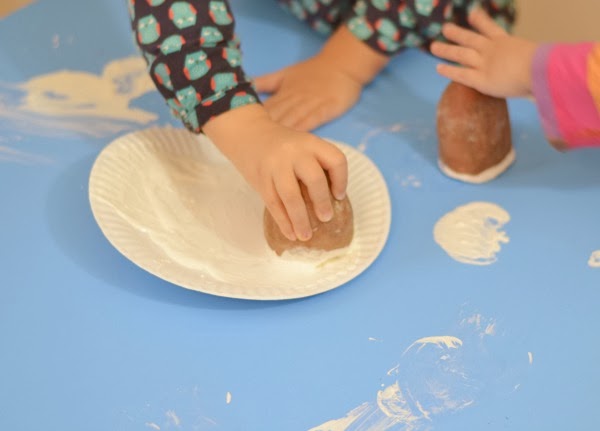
(530, 356)
(228, 397)
(472, 233)
(594, 260)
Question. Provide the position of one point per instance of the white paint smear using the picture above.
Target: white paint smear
(364, 142)
(437, 377)
(446, 341)
(173, 418)
(530, 355)
(342, 424)
(153, 426)
(485, 327)
(429, 382)
(78, 101)
(594, 260)
(228, 398)
(410, 181)
(472, 233)
(11, 155)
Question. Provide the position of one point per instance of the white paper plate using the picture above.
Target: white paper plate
(172, 204)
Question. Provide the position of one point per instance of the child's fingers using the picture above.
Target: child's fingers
(458, 54)
(334, 162)
(482, 22)
(310, 172)
(288, 190)
(269, 83)
(277, 210)
(462, 75)
(463, 37)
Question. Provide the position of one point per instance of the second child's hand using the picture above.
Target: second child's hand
(490, 60)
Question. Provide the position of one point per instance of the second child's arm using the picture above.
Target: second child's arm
(564, 79)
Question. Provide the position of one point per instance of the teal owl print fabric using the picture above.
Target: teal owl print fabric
(195, 61)
(389, 26)
(193, 57)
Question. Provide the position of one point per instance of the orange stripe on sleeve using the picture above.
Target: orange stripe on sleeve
(593, 75)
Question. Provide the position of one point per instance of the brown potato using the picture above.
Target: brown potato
(474, 132)
(334, 234)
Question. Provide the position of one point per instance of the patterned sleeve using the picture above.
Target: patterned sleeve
(566, 86)
(389, 26)
(193, 57)
(322, 15)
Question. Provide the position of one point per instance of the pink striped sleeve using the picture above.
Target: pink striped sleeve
(563, 91)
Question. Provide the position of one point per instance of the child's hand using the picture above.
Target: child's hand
(493, 62)
(309, 94)
(315, 91)
(273, 158)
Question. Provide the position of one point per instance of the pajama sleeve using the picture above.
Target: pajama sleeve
(322, 15)
(566, 86)
(193, 57)
(389, 26)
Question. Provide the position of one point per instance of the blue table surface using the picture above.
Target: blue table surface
(89, 341)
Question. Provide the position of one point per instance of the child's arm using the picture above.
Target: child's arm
(315, 91)
(564, 79)
(195, 63)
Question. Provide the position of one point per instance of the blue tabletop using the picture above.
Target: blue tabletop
(419, 341)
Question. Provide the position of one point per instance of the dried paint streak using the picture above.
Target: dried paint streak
(594, 260)
(342, 424)
(472, 233)
(486, 327)
(173, 418)
(429, 382)
(11, 155)
(436, 377)
(364, 142)
(152, 425)
(440, 341)
(78, 101)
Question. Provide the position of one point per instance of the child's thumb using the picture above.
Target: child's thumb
(269, 83)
